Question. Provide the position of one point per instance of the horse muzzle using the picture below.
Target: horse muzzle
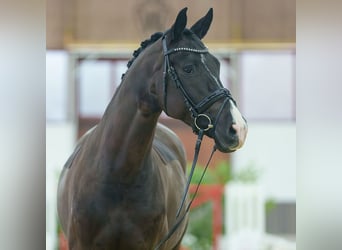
(232, 139)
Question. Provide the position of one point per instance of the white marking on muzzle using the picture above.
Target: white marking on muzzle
(239, 125)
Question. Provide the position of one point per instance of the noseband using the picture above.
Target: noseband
(197, 113)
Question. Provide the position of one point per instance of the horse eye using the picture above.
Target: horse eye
(188, 69)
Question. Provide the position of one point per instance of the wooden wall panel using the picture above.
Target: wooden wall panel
(113, 21)
(54, 24)
(127, 21)
(264, 20)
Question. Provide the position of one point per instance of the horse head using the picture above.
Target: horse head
(190, 88)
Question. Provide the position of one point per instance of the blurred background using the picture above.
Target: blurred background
(248, 200)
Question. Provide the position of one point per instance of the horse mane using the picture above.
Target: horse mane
(154, 37)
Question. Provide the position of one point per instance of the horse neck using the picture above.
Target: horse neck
(128, 125)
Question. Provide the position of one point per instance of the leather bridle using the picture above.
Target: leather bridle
(196, 109)
(197, 113)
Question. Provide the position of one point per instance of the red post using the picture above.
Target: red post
(211, 193)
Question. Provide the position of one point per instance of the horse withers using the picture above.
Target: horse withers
(122, 186)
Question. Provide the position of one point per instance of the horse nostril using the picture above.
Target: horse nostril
(232, 130)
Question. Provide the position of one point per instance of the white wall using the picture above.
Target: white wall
(60, 141)
(267, 80)
(56, 85)
(271, 147)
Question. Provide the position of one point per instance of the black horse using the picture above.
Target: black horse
(123, 184)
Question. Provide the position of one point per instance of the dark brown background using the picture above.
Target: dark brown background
(113, 21)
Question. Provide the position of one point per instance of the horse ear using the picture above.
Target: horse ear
(201, 27)
(179, 25)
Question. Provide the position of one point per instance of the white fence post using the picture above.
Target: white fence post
(245, 219)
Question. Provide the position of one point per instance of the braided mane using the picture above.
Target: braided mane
(143, 45)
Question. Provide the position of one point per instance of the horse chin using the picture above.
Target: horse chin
(224, 147)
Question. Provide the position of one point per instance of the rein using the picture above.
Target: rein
(198, 127)
(181, 218)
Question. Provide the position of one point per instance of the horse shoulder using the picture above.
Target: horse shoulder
(172, 169)
(169, 146)
(66, 181)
